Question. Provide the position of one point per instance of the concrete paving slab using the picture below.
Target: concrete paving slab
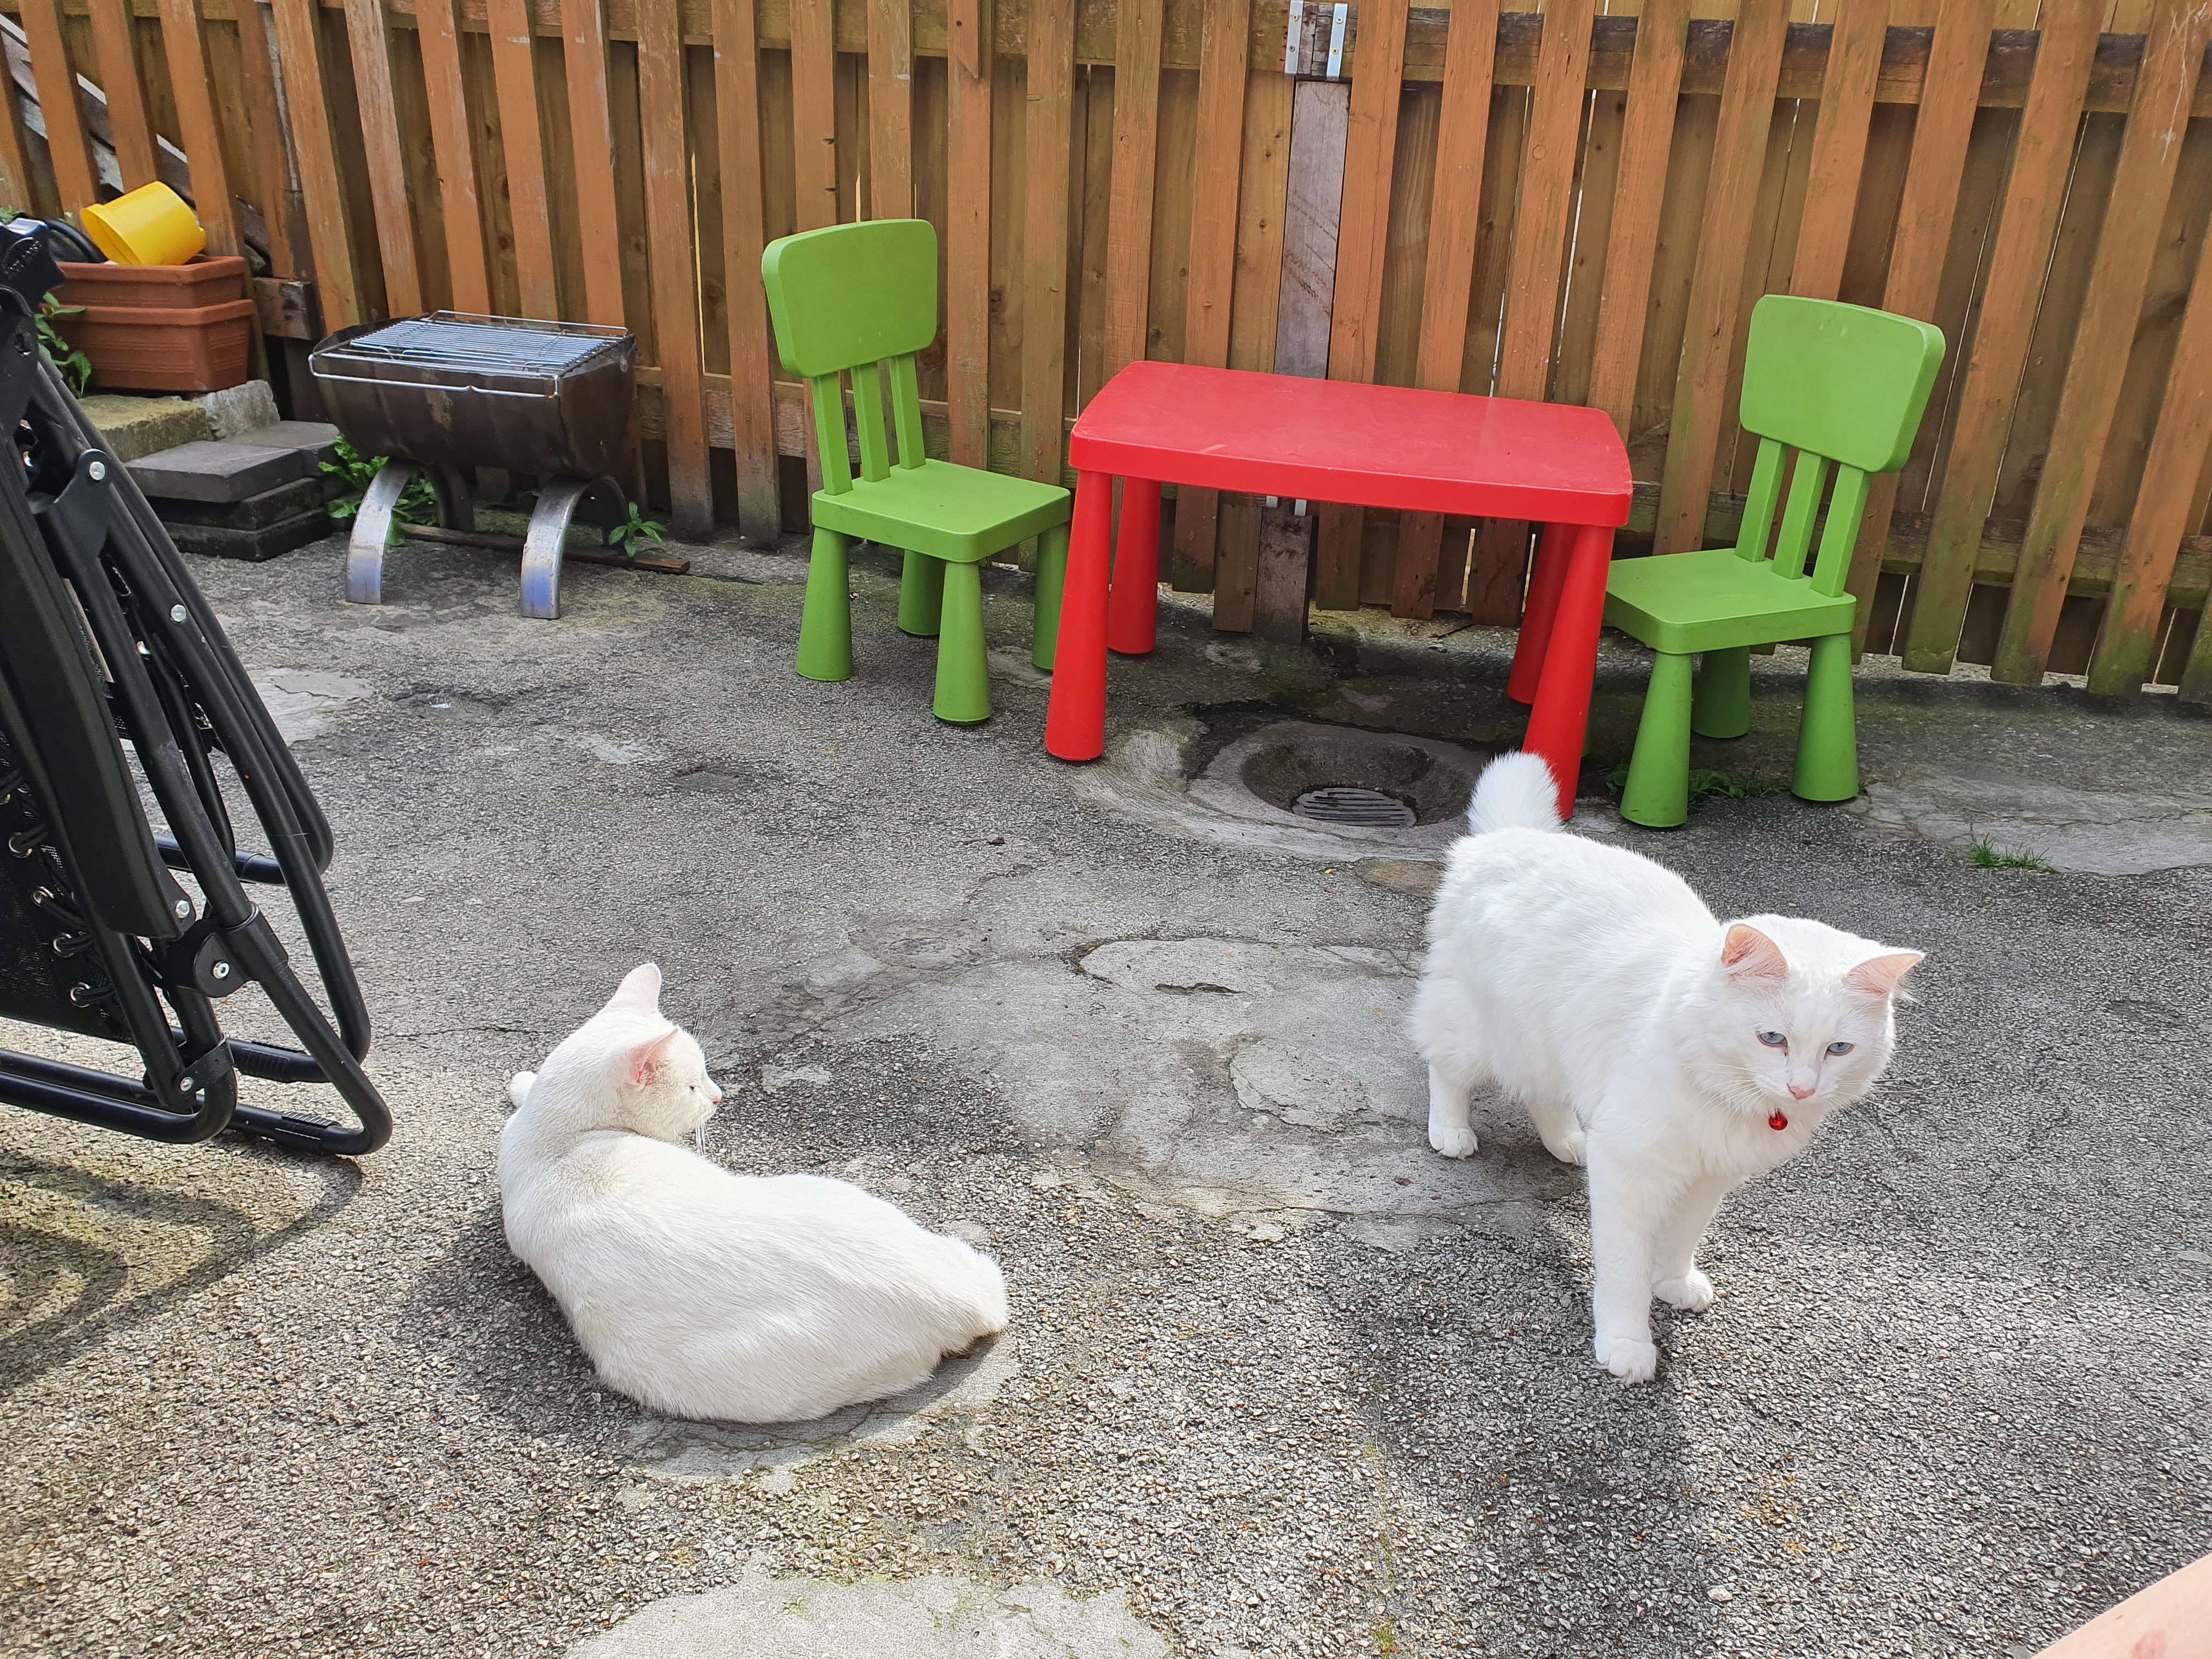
(1280, 1382)
(211, 471)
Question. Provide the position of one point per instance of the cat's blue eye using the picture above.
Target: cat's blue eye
(1774, 1039)
(1839, 1048)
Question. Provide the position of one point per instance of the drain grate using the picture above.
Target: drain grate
(1368, 809)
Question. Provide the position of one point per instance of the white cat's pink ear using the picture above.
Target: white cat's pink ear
(1747, 953)
(649, 1062)
(1881, 977)
(639, 990)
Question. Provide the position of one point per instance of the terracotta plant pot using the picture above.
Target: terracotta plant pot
(204, 281)
(163, 349)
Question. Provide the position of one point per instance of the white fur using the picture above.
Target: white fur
(1596, 986)
(704, 1294)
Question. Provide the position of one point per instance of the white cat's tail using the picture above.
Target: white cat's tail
(1515, 792)
(518, 1087)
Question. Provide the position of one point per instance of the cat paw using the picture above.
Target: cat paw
(1630, 1360)
(1691, 1293)
(1570, 1149)
(1452, 1142)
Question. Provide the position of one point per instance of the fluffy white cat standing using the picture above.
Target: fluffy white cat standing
(1676, 1055)
(705, 1294)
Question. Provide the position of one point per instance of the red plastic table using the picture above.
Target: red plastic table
(1337, 440)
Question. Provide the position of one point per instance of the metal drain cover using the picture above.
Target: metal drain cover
(1368, 809)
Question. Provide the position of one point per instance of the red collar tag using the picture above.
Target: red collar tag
(1777, 1122)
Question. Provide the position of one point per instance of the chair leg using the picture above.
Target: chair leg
(921, 595)
(963, 677)
(1051, 583)
(1827, 737)
(1720, 707)
(1658, 792)
(825, 627)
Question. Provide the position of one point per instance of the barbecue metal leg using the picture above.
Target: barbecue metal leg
(557, 503)
(372, 529)
(457, 510)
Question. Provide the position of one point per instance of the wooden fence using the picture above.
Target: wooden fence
(1560, 204)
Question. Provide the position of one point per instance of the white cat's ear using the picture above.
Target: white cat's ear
(1747, 953)
(649, 1062)
(1881, 976)
(639, 990)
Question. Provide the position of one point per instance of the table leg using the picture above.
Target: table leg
(1551, 557)
(1132, 614)
(1561, 717)
(1075, 720)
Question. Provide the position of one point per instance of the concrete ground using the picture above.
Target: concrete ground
(1279, 1381)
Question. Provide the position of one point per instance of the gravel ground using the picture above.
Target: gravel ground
(1952, 1401)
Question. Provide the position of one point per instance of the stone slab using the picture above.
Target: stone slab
(286, 501)
(136, 427)
(318, 439)
(215, 541)
(236, 410)
(210, 472)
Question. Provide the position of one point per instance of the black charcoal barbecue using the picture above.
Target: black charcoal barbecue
(440, 392)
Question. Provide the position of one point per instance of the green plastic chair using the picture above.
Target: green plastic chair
(854, 297)
(1845, 387)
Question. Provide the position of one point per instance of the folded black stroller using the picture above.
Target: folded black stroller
(105, 642)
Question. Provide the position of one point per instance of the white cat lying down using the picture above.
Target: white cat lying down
(704, 1294)
(1676, 1055)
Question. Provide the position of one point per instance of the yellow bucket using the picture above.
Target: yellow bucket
(151, 226)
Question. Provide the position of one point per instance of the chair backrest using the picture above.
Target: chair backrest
(1843, 386)
(850, 297)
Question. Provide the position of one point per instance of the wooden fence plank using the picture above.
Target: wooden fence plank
(1716, 290)
(1320, 121)
(814, 112)
(1454, 238)
(328, 239)
(1532, 297)
(278, 190)
(67, 144)
(18, 185)
(1223, 68)
(1647, 140)
(1048, 135)
(1840, 144)
(675, 296)
(737, 98)
(2125, 247)
(968, 234)
(1262, 197)
(1136, 133)
(111, 39)
(890, 98)
(192, 89)
(379, 137)
(462, 212)
(515, 75)
(1556, 100)
(585, 54)
(1924, 216)
(1370, 150)
(2163, 505)
(2043, 157)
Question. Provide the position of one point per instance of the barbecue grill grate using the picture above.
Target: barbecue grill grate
(454, 340)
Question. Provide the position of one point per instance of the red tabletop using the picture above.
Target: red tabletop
(1339, 440)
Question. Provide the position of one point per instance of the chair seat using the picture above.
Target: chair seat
(1686, 602)
(957, 513)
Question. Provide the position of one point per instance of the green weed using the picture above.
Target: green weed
(1988, 855)
(418, 502)
(626, 538)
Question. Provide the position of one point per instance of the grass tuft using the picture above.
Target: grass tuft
(1988, 855)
